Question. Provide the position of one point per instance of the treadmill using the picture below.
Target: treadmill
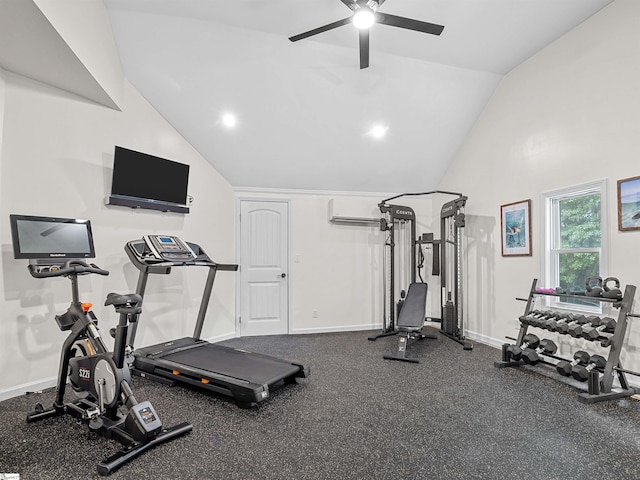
(246, 376)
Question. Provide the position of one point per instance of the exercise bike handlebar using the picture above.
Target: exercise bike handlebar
(70, 267)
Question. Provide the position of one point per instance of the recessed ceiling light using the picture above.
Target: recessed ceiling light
(229, 120)
(378, 131)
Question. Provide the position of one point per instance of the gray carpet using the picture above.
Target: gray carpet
(453, 416)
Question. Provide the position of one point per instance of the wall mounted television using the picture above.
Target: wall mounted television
(52, 238)
(141, 180)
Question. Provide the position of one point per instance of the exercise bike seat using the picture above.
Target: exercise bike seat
(131, 300)
(412, 314)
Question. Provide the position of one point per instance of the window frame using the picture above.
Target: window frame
(550, 254)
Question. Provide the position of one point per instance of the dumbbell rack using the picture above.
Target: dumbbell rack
(600, 385)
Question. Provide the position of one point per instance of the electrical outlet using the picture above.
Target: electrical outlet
(315, 314)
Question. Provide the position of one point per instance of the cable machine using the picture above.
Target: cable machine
(403, 261)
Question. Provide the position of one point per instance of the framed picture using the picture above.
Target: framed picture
(516, 229)
(629, 204)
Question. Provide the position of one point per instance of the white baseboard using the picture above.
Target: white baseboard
(344, 328)
(221, 338)
(36, 386)
(485, 339)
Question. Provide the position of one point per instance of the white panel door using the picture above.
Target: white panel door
(264, 253)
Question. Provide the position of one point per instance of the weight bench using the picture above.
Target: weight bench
(410, 321)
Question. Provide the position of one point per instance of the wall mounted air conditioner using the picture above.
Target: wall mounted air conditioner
(353, 211)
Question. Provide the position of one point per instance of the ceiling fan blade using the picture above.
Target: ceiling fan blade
(364, 48)
(324, 28)
(351, 4)
(408, 23)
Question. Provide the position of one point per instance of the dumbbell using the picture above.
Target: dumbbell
(565, 368)
(570, 321)
(599, 325)
(529, 341)
(562, 325)
(548, 322)
(531, 316)
(581, 372)
(552, 323)
(542, 321)
(575, 330)
(532, 356)
(611, 292)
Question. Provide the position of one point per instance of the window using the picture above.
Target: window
(575, 240)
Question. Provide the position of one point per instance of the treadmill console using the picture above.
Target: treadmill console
(166, 247)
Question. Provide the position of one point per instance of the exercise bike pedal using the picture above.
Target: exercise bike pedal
(96, 423)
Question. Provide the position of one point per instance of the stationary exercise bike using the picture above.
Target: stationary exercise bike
(101, 379)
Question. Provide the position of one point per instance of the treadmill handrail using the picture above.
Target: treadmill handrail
(153, 266)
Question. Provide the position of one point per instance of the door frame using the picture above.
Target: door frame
(289, 287)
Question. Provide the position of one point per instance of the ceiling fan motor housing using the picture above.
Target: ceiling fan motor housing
(372, 4)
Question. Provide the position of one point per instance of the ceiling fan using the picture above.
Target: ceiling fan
(364, 15)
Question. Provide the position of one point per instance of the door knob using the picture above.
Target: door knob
(283, 275)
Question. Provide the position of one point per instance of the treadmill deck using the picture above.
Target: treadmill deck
(246, 376)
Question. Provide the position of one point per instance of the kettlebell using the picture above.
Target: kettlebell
(593, 290)
(611, 292)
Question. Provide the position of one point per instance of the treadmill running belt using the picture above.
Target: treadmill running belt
(234, 363)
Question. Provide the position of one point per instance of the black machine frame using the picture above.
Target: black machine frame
(247, 377)
(447, 262)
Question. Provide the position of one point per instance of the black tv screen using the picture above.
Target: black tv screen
(141, 180)
(37, 237)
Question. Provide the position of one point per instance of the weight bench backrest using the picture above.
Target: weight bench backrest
(412, 314)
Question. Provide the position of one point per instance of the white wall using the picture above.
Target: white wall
(56, 153)
(567, 116)
(339, 268)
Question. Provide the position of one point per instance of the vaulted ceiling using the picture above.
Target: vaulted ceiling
(305, 110)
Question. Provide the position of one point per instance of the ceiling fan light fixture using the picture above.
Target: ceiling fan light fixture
(363, 18)
(364, 15)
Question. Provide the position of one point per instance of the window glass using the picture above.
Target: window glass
(575, 268)
(580, 222)
(574, 239)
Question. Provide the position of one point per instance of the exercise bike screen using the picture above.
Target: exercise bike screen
(42, 237)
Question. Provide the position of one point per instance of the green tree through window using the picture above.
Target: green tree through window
(579, 229)
(574, 239)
